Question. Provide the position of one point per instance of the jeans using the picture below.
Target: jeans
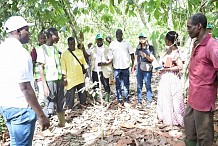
(104, 81)
(70, 95)
(122, 76)
(21, 125)
(146, 77)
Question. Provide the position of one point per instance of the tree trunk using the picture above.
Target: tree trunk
(146, 24)
(170, 16)
(72, 23)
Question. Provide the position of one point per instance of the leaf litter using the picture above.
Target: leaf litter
(112, 125)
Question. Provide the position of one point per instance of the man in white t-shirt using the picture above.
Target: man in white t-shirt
(101, 65)
(18, 102)
(122, 51)
(48, 58)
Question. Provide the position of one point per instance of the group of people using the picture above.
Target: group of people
(197, 117)
(55, 71)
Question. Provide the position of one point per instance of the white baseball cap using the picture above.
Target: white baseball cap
(15, 22)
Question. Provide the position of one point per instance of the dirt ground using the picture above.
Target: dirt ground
(111, 125)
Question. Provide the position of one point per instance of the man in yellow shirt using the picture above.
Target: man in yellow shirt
(72, 72)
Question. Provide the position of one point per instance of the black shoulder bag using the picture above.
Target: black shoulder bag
(83, 68)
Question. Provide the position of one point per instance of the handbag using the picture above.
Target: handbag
(146, 66)
(83, 68)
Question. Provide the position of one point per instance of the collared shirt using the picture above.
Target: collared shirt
(121, 54)
(16, 67)
(202, 75)
(99, 54)
(72, 69)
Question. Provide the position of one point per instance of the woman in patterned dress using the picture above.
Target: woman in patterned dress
(170, 104)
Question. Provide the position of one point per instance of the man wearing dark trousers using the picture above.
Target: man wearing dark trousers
(73, 78)
(101, 65)
(121, 51)
(48, 58)
(202, 91)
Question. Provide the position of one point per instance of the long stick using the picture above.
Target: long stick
(101, 97)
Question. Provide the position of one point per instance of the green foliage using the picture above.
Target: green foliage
(2, 127)
(130, 2)
(93, 16)
(212, 19)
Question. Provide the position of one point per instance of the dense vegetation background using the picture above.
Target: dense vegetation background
(84, 18)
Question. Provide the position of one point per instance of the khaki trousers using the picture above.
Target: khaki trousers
(199, 126)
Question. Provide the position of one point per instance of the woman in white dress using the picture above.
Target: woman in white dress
(170, 103)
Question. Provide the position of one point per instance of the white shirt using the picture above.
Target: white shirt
(89, 51)
(98, 58)
(16, 67)
(121, 54)
(46, 56)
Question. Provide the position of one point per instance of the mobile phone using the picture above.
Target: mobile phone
(159, 68)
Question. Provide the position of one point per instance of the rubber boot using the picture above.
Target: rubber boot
(95, 96)
(61, 119)
(107, 96)
(190, 142)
